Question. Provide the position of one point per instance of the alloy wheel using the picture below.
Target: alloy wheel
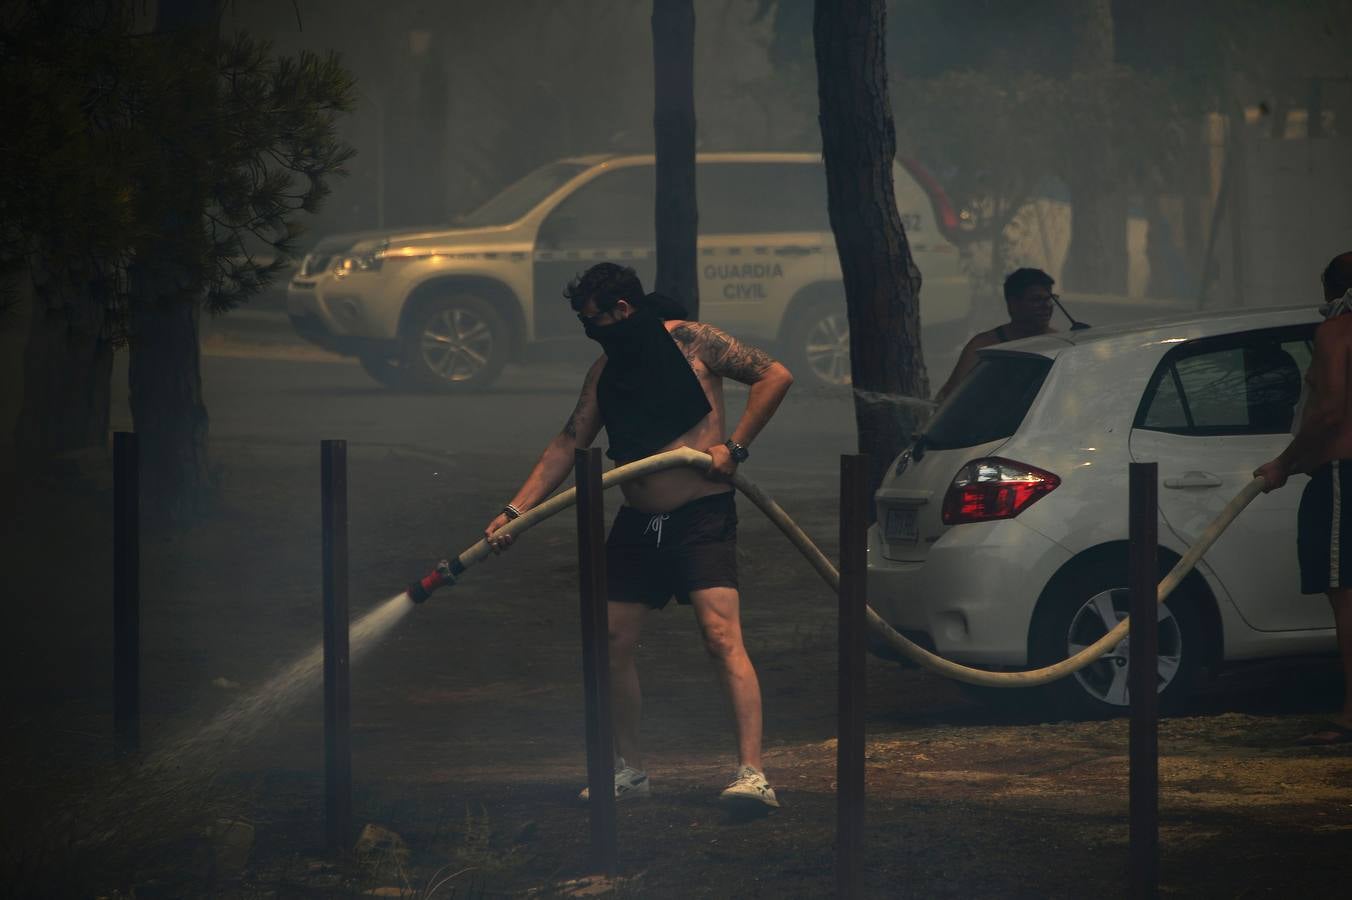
(1106, 678)
(827, 349)
(457, 344)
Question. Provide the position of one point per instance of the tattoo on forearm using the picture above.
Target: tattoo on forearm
(570, 427)
(721, 353)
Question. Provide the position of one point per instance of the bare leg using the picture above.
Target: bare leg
(1341, 600)
(720, 621)
(626, 622)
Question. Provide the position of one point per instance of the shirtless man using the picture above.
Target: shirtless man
(1028, 297)
(659, 386)
(1322, 448)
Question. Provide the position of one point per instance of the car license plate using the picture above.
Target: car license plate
(901, 525)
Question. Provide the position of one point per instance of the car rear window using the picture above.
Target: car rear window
(990, 403)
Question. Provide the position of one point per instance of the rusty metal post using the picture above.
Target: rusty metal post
(1143, 662)
(591, 558)
(854, 471)
(126, 594)
(337, 677)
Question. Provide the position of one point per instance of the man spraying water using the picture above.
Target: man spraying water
(1322, 448)
(659, 386)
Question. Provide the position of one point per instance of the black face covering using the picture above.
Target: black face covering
(647, 392)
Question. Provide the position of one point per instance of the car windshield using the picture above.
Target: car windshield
(522, 196)
(990, 403)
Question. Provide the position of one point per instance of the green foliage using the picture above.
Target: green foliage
(985, 93)
(276, 152)
(63, 188)
(113, 132)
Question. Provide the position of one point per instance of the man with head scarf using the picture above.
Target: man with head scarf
(659, 386)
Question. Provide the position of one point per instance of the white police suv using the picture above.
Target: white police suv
(448, 308)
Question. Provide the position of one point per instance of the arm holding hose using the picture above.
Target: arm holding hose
(556, 461)
(1324, 412)
(725, 356)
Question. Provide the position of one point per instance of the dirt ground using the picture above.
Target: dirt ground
(468, 736)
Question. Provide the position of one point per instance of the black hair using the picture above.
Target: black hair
(1337, 276)
(606, 284)
(1021, 279)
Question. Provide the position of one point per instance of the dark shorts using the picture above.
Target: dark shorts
(1324, 529)
(650, 558)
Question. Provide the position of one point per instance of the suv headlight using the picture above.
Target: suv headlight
(369, 261)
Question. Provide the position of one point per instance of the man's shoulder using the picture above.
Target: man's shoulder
(984, 339)
(684, 331)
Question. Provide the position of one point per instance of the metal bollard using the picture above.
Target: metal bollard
(126, 594)
(337, 677)
(1143, 661)
(854, 505)
(591, 549)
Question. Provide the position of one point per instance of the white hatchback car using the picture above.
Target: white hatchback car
(1001, 537)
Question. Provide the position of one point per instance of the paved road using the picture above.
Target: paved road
(292, 395)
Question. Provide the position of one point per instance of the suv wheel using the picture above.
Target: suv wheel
(455, 343)
(817, 343)
(1083, 611)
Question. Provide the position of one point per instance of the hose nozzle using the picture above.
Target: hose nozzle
(443, 574)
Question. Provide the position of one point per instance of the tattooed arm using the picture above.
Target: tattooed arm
(724, 355)
(556, 461)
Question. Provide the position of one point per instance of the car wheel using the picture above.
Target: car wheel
(1084, 609)
(385, 368)
(817, 344)
(455, 343)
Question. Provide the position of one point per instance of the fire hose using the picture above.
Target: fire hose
(448, 571)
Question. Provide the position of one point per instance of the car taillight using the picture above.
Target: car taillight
(994, 488)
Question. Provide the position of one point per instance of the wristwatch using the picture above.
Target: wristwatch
(739, 453)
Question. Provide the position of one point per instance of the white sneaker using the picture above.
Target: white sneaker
(749, 790)
(630, 783)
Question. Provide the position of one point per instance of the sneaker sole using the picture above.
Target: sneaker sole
(747, 805)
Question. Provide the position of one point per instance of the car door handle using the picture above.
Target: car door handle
(1193, 480)
(792, 250)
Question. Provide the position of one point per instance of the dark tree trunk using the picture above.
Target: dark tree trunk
(165, 381)
(677, 221)
(882, 283)
(68, 367)
(1097, 258)
(166, 285)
